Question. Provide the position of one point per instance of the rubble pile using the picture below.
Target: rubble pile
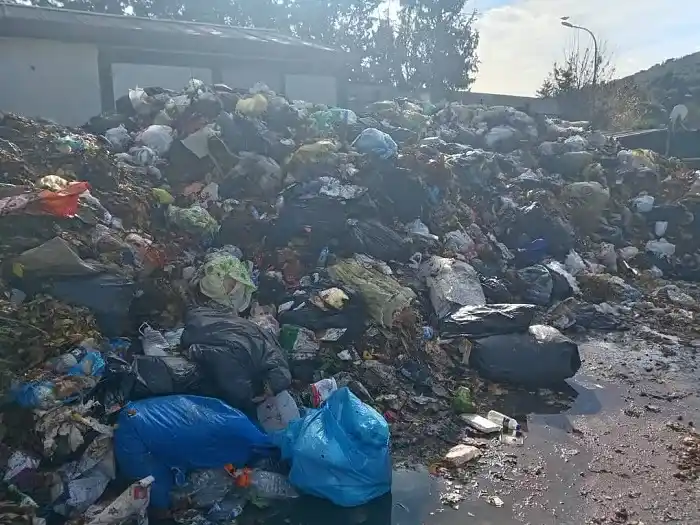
(197, 265)
(689, 458)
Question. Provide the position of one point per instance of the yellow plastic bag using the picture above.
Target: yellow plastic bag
(252, 107)
(162, 196)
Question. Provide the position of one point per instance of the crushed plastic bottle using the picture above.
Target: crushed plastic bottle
(227, 509)
(506, 422)
(263, 484)
(154, 344)
(205, 488)
(515, 438)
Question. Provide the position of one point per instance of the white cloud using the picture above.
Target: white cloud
(520, 41)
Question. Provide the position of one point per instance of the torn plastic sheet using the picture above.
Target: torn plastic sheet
(332, 187)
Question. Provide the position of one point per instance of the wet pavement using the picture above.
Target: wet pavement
(602, 449)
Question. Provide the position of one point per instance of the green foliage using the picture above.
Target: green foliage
(675, 81)
(427, 44)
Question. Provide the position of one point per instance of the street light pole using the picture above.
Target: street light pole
(565, 22)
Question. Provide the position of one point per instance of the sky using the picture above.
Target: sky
(520, 39)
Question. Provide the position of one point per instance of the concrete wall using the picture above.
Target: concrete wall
(362, 94)
(54, 80)
(312, 88)
(548, 106)
(61, 82)
(128, 76)
(247, 76)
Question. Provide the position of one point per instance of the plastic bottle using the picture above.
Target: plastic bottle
(154, 344)
(227, 510)
(208, 487)
(323, 258)
(264, 484)
(515, 438)
(508, 423)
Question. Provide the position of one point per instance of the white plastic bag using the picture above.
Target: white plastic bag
(158, 138)
(574, 263)
(132, 503)
(608, 256)
(276, 412)
(459, 242)
(118, 137)
(139, 101)
(661, 248)
(643, 203)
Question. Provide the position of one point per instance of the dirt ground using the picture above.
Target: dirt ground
(612, 457)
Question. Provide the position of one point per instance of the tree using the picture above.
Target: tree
(429, 44)
(577, 70)
(350, 25)
(613, 105)
(437, 44)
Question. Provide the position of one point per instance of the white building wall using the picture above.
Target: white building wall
(53, 80)
(128, 76)
(247, 76)
(312, 88)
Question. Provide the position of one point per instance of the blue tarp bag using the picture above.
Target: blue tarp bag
(173, 435)
(339, 452)
(372, 140)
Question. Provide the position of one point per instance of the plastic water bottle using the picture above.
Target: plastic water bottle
(271, 485)
(515, 438)
(323, 258)
(508, 423)
(154, 344)
(264, 484)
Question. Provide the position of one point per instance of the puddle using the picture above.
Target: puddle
(549, 417)
(414, 500)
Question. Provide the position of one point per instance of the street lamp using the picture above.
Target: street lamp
(565, 22)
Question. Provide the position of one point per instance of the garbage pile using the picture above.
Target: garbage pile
(223, 297)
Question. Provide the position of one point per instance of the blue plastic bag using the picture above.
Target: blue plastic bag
(339, 452)
(42, 394)
(371, 140)
(165, 436)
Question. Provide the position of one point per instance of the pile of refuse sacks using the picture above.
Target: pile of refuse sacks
(218, 297)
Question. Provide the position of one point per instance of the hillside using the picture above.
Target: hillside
(675, 81)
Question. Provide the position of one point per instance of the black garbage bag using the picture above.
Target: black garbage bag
(244, 134)
(237, 358)
(488, 320)
(375, 239)
(108, 296)
(305, 313)
(397, 192)
(495, 290)
(537, 284)
(148, 376)
(534, 222)
(541, 356)
(162, 376)
(319, 219)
